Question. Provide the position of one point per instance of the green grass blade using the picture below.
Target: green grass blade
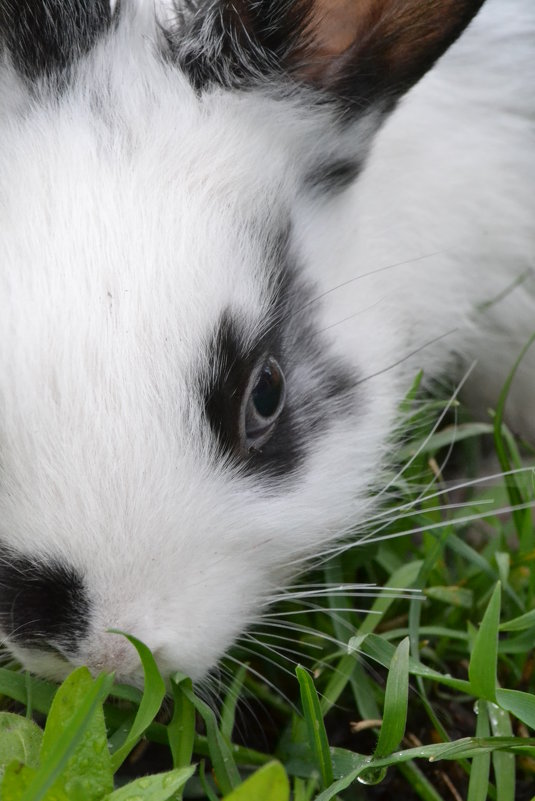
(445, 437)
(348, 671)
(403, 578)
(484, 658)
(205, 784)
(514, 492)
(181, 728)
(521, 623)
(355, 765)
(479, 774)
(504, 763)
(521, 705)
(454, 596)
(221, 756)
(396, 702)
(153, 695)
(317, 736)
(337, 683)
(464, 550)
(15, 686)
(228, 711)
(467, 747)
(382, 652)
(344, 782)
(407, 403)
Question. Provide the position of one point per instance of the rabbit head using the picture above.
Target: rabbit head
(177, 428)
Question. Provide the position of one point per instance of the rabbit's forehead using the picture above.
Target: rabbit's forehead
(116, 311)
(115, 273)
(111, 243)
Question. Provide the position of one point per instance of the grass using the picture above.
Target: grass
(428, 693)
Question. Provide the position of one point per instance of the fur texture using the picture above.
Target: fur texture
(145, 208)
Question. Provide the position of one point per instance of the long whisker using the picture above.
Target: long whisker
(368, 274)
(433, 429)
(296, 592)
(363, 533)
(273, 636)
(264, 680)
(282, 651)
(504, 510)
(302, 629)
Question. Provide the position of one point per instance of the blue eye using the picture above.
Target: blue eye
(263, 403)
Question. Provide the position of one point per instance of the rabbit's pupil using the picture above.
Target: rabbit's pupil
(267, 392)
(263, 404)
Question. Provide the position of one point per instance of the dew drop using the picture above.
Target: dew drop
(372, 776)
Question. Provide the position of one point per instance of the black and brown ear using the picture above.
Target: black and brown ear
(367, 50)
(44, 37)
(358, 51)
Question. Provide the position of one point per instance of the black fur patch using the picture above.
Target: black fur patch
(44, 37)
(42, 604)
(334, 177)
(318, 387)
(236, 43)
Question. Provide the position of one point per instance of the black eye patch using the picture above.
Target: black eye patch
(318, 391)
(319, 388)
(232, 368)
(41, 603)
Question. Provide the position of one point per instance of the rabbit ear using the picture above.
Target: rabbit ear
(358, 51)
(365, 51)
(44, 37)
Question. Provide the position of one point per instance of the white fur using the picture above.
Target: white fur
(126, 209)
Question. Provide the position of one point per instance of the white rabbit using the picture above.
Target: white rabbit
(221, 240)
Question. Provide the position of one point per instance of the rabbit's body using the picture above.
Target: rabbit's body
(165, 224)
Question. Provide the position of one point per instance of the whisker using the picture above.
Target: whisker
(301, 629)
(448, 489)
(407, 356)
(352, 317)
(278, 692)
(284, 638)
(433, 429)
(504, 510)
(298, 597)
(368, 274)
(362, 533)
(281, 650)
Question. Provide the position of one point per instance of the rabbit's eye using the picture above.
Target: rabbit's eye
(262, 404)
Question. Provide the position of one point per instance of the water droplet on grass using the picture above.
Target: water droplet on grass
(372, 776)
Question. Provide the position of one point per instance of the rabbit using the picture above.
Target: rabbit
(231, 232)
